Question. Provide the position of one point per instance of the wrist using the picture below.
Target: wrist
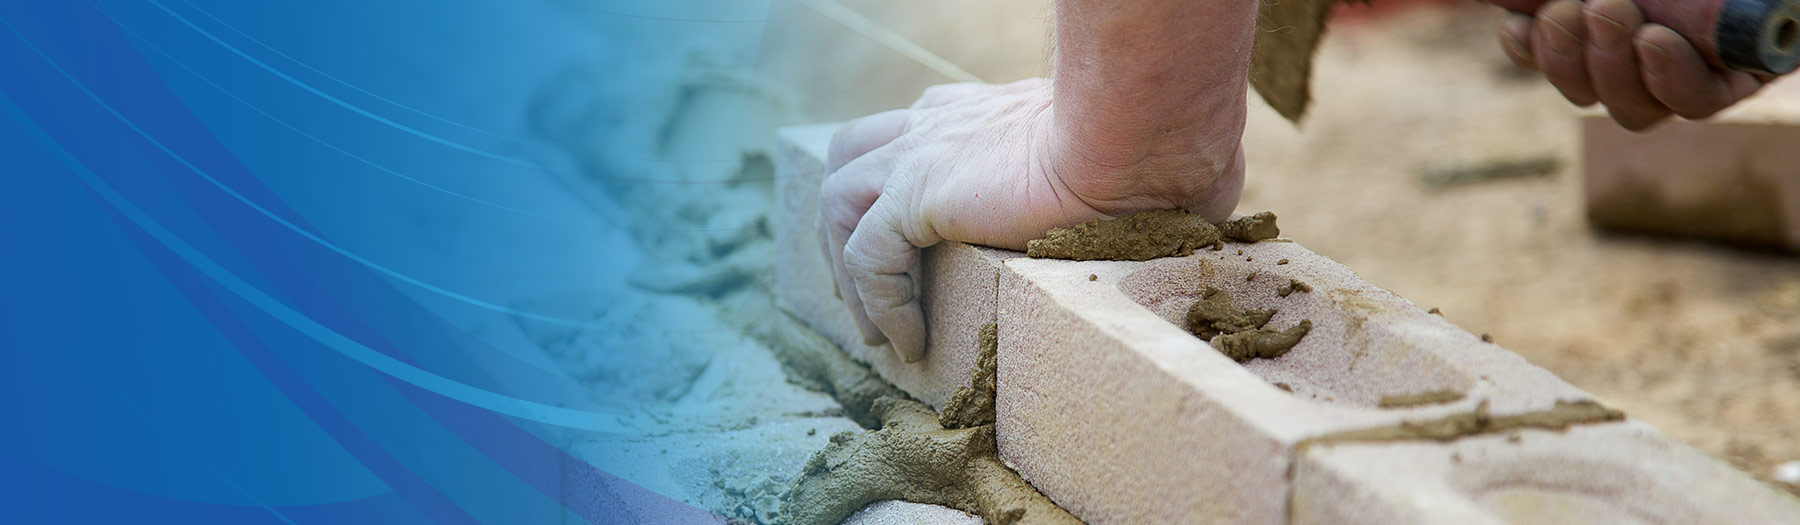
(1199, 167)
(1149, 102)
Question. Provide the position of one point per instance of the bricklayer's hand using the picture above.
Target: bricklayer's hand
(1604, 52)
(982, 164)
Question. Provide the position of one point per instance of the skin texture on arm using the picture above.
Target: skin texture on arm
(1150, 94)
(1146, 111)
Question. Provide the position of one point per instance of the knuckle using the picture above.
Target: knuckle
(885, 295)
(858, 261)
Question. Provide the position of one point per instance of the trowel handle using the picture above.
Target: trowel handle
(1749, 35)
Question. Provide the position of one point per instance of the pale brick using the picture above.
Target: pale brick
(1112, 409)
(1732, 178)
(1624, 472)
(894, 512)
(957, 281)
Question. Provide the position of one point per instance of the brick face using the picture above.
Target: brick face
(1098, 380)
(1623, 472)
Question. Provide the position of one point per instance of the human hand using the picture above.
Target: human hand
(1604, 52)
(985, 164)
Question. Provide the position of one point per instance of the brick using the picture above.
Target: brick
(1623, 472)
(1733, 178)
(958, 282)
(894, 512)
(1108, 406)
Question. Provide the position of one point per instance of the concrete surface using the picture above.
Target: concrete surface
(958, 282)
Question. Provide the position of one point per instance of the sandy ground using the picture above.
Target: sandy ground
(1695, 339)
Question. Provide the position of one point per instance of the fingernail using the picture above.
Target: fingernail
(1562, 40)
(1655, 59)
(1608, 34)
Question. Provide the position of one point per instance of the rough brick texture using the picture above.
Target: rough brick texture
(1622, 472)
(904, 513)
(1110, 407)
(957, 281)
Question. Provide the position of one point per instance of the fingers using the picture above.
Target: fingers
(866, 236)
(1613, 65)
(1606, 52)
(860, 136)
(844, 198)
(878, 257)
(1515, 40)
(829, 250)
(1557, 49)
(846, 287)
(1680, 78)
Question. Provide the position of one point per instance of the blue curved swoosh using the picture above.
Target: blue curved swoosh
(277, 218)
(134, 34)
(492, 401)
(335, 100)
(278, 52)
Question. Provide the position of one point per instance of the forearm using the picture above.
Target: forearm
(1146, 88)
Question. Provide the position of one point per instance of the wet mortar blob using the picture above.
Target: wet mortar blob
(1239, 333)
(1261, 343)
(916, 455)
(1434, 397)
(1148, 235)
(1216, 314)
(1563, 415)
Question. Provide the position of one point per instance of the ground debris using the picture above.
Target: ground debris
(1448, 176)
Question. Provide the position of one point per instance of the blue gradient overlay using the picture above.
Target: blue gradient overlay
(250, 249)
